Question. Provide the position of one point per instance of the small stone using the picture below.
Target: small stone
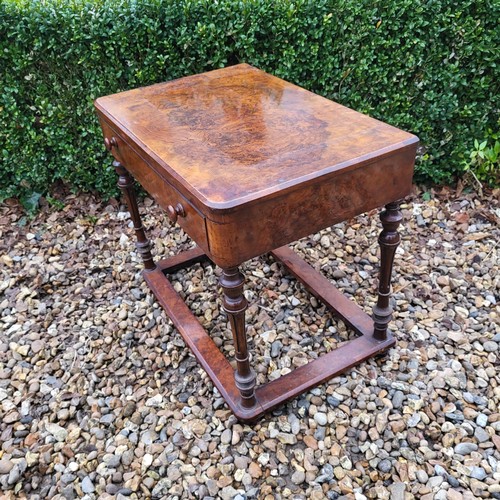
(14, 475)
(491, 299)
(87, 485)
(60, 433)
(422, 476)
(155, 401)
(286, 438)
(397, 491)
(440, 470)
(397, 399)
(478, 473)
(339, 472)
(325, 241)
(254, 470)
(490, 346)
(276, 348)
(67, 478)
(32, 458)
(326, 474)
(310, 442)
(414, 420)
(298, 477)
(482, 419)
(294, 423)
(162, 487)
(333, 401)
(465, 448)
(454, 495)
(434, 482)
(481, 435)
(107, 419)
(384, 466)
(225, 437)
(147, 460)
(129, 409)
(398, 425)
(37, 346)
(5, 466)
(320, 418)
(149, 437)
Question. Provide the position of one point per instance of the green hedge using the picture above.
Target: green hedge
(429, 67)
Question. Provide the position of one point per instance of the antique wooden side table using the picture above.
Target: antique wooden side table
(246, 163)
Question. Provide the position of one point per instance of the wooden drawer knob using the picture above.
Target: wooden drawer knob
(175, 212)
(110, 143)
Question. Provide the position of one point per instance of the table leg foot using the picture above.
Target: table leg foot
(126, 184)
(235, 305)
(389, 240)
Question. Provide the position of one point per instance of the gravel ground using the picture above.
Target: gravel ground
(99, 397)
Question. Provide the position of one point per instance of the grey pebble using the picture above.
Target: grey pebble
(384, 466)
(465, 448)
(397, 399)
(490, 346)
(67, 478)
(397, 491)
(333, 401)
(326, 474)
(107, 419)
(127, 457)
(276, 348)
(482, 419)
(422, 476)
(491, 298)
(321, 418)
(87, 485)
(478, 473)
(14, 474)
(481, 435)
(149, 437)
(298, 477)
(440, 470)
(435, 482)
(225, 437)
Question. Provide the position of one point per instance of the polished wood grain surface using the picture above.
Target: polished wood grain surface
(238, 134)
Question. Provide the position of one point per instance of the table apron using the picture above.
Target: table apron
(272, 223)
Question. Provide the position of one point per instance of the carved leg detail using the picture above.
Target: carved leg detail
(126, 184)
(389, 240)
(235, 305)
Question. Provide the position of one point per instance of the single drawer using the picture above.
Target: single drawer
(179, 209)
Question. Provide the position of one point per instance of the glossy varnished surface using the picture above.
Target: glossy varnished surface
(236, 135)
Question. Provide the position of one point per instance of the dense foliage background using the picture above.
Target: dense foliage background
(428, 66)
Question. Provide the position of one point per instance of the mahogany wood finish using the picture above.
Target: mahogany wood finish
(126, 184)
(235, 305)
(389, 240)
(246, 163)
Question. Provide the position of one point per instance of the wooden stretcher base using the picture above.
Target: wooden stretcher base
(276, 392)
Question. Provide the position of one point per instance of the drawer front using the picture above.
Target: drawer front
(192, 221)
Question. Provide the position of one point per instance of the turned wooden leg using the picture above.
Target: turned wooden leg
(126, 184)
(389, 240)
(235, 305)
